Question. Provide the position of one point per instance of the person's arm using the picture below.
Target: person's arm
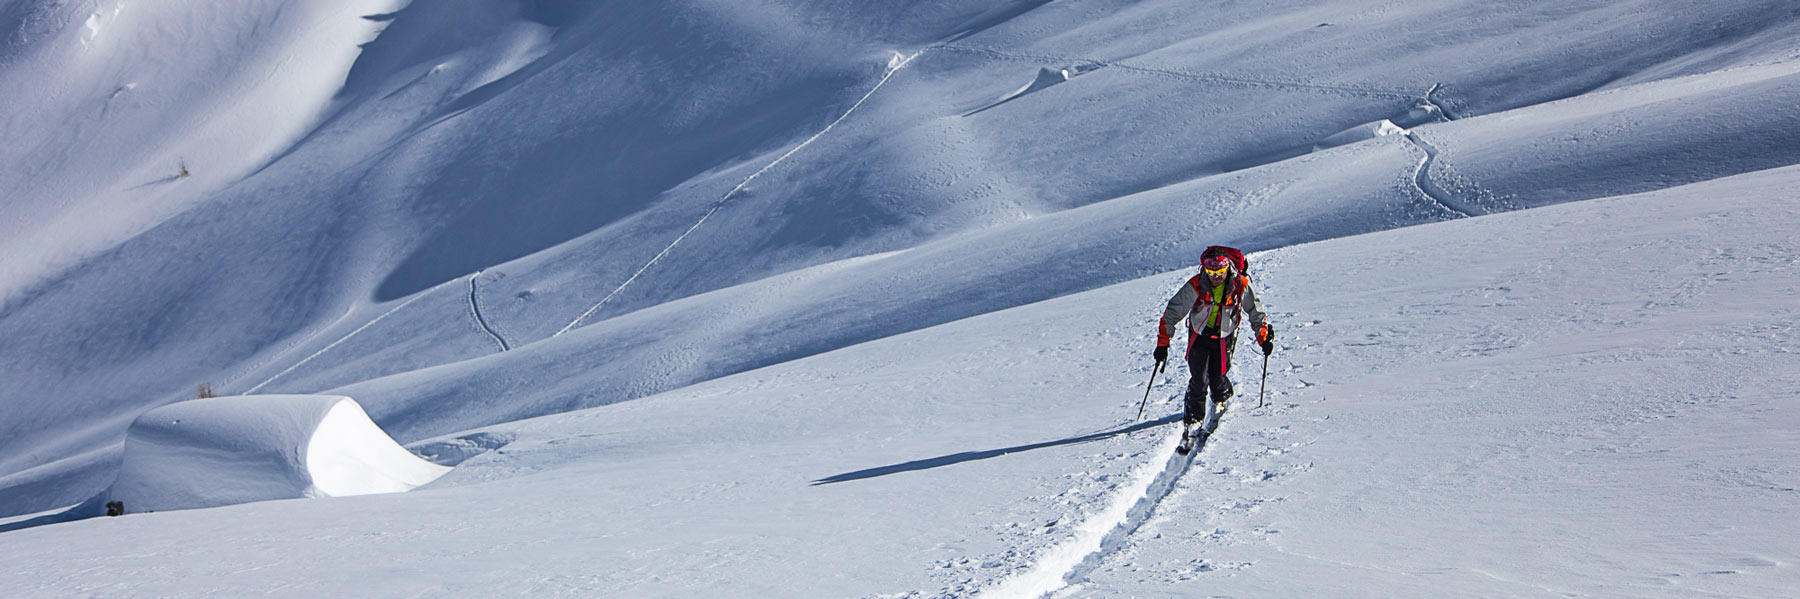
(1254, 308)
(1178, 308)
(1259, 319)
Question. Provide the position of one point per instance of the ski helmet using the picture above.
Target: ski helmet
(1215, 265)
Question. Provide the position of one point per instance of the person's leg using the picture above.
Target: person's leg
(1203, 361)
(1219, 366)
(1194, 406)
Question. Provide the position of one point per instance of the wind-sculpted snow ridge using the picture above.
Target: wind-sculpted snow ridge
(229, 450)
(1046, 77)
(1363, 132)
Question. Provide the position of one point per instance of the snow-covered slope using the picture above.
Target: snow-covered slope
(1592, 399)
(698, 188)
(802, 234)
(1596, 399)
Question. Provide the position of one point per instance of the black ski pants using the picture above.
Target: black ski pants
(1208, 358)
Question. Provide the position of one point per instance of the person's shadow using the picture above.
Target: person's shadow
(168, 179)
(969, 456)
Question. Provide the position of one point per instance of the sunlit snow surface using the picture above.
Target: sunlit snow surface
(857, 301)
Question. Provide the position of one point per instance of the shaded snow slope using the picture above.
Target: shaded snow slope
(478, 175)
(108, 101)
(1593, 398)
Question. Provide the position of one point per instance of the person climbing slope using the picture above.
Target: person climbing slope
(1213, 302)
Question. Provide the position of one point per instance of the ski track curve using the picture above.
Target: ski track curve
(1107, 531)
(475, 311)
(1441, 108)
(1422, 179)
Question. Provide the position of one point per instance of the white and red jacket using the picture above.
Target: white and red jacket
(1195, 302)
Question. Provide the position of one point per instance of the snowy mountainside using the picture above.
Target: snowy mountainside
(1594, 398)
(382, 197)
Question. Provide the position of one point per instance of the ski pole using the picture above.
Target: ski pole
(1147, 388)
(1264, 389)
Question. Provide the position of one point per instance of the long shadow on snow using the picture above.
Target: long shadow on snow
(970, 456)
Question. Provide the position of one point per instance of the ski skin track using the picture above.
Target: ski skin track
(1102, 535)
(347, 336)
(1422, 178)
(475, 310)
(1441, 108)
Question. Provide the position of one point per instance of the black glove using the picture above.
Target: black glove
(1267, 338)
(1161, 353)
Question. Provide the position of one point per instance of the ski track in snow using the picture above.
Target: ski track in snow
(894, 65)
(1422, 178)
(347, 336)
(1229, 80)
(279, 354)
(1441, 108)
(1105, 532)
(475, 310)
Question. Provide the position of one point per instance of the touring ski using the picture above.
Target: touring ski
(1195, 435)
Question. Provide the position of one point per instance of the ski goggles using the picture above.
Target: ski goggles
(1221, 269)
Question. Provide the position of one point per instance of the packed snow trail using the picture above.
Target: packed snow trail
(1441, 108)
(1104, 533)
(1422, 178)
(475, 310)
(894, 65)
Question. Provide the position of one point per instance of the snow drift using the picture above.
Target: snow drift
(229, 450)
(1363, 132)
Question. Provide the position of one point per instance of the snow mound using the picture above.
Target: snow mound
(1363, 132)
(1046, 77)
(230, 450)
